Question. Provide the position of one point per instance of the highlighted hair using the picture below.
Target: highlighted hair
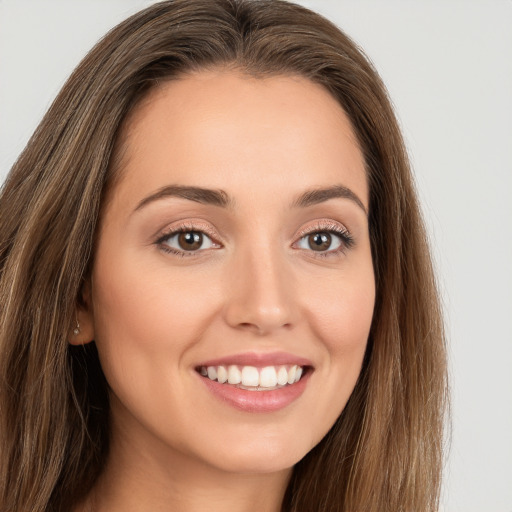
(384, 453)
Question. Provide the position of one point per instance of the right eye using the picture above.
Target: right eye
(186, 241)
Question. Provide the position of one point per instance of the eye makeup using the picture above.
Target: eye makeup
(192, 239)
(193, 232)
(326, 229)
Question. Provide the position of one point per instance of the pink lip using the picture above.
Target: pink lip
(258, 360)
(257, 401)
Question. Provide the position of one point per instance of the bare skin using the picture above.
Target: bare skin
(272, 269)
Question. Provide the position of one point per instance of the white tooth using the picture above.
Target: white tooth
(282, 376)
(212, 373)
(298, 374)
(268, 377)
(250, 376)
(291, 374)
(204, 371)
(234, 375)
(222, 374)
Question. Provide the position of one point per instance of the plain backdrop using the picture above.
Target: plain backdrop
(448, 68)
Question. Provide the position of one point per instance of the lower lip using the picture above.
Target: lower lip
(257, 401)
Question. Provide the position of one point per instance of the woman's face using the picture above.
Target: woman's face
(235, 246)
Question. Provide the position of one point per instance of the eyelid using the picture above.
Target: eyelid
(327, 226)
(182, 227)
(323, 225)
(188, 225)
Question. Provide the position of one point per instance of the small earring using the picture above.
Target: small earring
(76, 330)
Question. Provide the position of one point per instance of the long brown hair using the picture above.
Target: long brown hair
(384, 453)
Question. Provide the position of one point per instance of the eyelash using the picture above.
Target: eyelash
(347, 241)
(183, 228)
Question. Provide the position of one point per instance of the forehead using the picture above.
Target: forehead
(215, 127)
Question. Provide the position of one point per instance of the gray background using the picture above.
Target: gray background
(448, 67)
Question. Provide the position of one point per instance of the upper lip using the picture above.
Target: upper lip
(258, 360)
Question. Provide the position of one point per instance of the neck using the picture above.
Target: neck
(140, 478)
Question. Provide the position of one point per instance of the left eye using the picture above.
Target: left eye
(189, 241)
(320, 241)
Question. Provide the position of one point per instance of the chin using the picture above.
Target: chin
(263, 455)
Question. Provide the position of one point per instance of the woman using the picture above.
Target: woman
(216, 288)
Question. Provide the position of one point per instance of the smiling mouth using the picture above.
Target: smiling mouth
(252, 378)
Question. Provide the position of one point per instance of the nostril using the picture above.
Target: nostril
(261, 328)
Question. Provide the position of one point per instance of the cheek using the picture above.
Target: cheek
(341, 314)
(342, 310)
(146, 321)
(146, 316)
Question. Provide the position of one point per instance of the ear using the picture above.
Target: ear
(82, 329)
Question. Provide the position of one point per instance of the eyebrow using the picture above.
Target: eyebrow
(217, 197)
(320, 195)
(196, 194)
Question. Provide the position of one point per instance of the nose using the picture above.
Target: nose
(260, 293)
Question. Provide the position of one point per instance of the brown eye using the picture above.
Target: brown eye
(319, 241)
(190, 240)
(181, 242)
(329, 241)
